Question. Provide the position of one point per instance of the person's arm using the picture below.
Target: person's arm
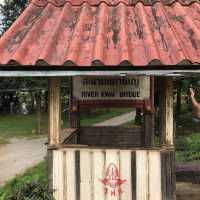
(195, 104)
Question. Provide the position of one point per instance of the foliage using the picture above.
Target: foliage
(10, 10)
(30, 191)
(188, 148)
(32, 185)
(183, 84)
(22, 83)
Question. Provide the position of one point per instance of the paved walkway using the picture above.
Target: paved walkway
(117, 121)
(21, 154)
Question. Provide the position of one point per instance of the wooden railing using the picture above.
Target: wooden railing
(108, 174)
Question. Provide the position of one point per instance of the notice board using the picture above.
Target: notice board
(111, 88)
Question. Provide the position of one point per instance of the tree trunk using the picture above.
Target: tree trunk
(38, 111)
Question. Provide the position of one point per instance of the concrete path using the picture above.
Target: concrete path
(21, 154)
(119, 120)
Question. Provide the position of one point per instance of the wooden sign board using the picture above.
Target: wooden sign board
(111, 88)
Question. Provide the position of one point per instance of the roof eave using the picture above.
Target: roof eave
(44, 71)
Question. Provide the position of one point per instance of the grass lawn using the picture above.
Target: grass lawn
(3, 141)
(25, 125)
(19, 125)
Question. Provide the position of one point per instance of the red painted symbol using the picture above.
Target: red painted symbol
(112, 181)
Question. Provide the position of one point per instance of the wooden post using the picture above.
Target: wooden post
(148, 130)
(54, 110)
(147, 140)
(166, 112)
(74, 114)
(149, 125)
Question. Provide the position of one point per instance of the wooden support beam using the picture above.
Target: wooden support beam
(149, 124)
(166, 111)
(147, 137)
(74, 114)
(188, 172)
(54, 110)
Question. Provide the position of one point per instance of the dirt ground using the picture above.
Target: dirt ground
(187, 191)
(19, 155)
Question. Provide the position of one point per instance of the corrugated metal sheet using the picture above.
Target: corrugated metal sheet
(110, 2)
(88, 35)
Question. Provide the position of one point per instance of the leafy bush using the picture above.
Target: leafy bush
(30, 191)
(32, 185)
(188, 148)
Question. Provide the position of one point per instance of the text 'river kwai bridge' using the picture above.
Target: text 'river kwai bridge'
(112, 50)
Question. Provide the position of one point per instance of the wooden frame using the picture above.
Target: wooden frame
(165, 164)
(147, 106)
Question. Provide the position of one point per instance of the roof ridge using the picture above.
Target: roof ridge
(60, 3)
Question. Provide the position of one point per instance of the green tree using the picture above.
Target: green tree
(10, 10)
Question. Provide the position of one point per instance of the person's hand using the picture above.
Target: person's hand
(191, 92)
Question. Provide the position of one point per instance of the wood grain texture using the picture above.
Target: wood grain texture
(125, 174)
(54, 110)
(112, 157)
(98, 173)
(166, 111)
(80, 174)
(133, 175)
(70, 178)
(86, 175)
(147, 136)
(142, 180)
(155, 192)
(188, 172)
(58, 175)
(111, 136)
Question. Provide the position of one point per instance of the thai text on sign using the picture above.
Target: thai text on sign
(111, 88)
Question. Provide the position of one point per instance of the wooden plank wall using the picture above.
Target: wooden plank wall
(97, 174)
(110, 136)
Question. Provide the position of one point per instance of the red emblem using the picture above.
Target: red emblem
(112, 181)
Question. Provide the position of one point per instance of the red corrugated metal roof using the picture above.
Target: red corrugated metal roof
(110, 2)
(107, 34)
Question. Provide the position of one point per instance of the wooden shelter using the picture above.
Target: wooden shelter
(108, 39)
